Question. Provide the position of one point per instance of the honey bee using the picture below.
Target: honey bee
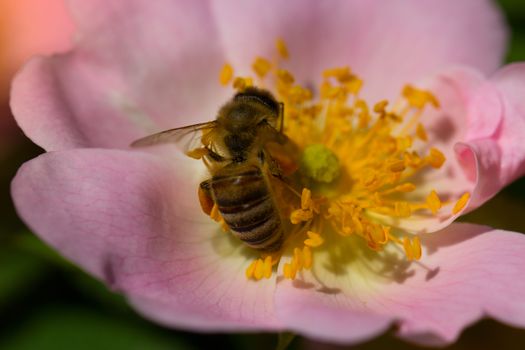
(246, 152)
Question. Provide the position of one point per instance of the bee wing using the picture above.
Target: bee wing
(186, 138)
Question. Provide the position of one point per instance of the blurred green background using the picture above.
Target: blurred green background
(47, 303)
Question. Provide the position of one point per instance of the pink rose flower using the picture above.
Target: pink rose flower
(131, 217)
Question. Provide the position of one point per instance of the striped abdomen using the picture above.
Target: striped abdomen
(245, 202)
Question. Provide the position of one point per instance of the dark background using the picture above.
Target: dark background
(47, 303)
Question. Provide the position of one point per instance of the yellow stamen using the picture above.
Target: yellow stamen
(300, 215)
(314, 239)
(298, 258)
(251, 269)
(267, 270)
(226, 74)
(433, 202)
(242, 83)
(306, 199)
(421, 132)
(289, 271)
(307, 257)
(282, 49)
(461, 203)
(402, 209)
(258, 273)
(285, 77)
(416, 248)
(418, 98)
(408, 248)
(436, 158)
(261, 66)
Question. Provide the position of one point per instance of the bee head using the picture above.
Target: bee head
(248, 110)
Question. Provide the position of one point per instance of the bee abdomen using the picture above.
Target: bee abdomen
(247, 207)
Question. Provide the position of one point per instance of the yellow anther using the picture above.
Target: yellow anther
(258, 273)
(314, 239)
(289, 271)
(397, 166)
(242, 83)
(267, 269)
(419, 98)
(409, 252)
(342, 74)
(261, 66)
(377, 234)
(380, 106)
(354, 85)
(406, 187)
(298, 258)
(300, 215)
(436, 158)
(281, 48)
(404, 142)
(421, 132)
(251, 269)
(285, 77)
(402, 209)
(226, 74)
(461, 203)
(433, 202)
(416, 248)
(306, 199)
(307, 257)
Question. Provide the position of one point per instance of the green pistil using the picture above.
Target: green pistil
(320, 164)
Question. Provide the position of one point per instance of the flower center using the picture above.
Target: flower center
(358, 166)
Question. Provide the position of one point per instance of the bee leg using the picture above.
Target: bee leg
(281, 117)
(205, 198)
(214, 156)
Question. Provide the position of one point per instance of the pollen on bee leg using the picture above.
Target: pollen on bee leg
(206, 202)
(197, 153)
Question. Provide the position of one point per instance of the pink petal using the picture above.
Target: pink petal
(491, 152)
(138, 68)
(332, 318)
(474, 272)
(467, 272)
(510, 82)
(389, 43)
(134, 221)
